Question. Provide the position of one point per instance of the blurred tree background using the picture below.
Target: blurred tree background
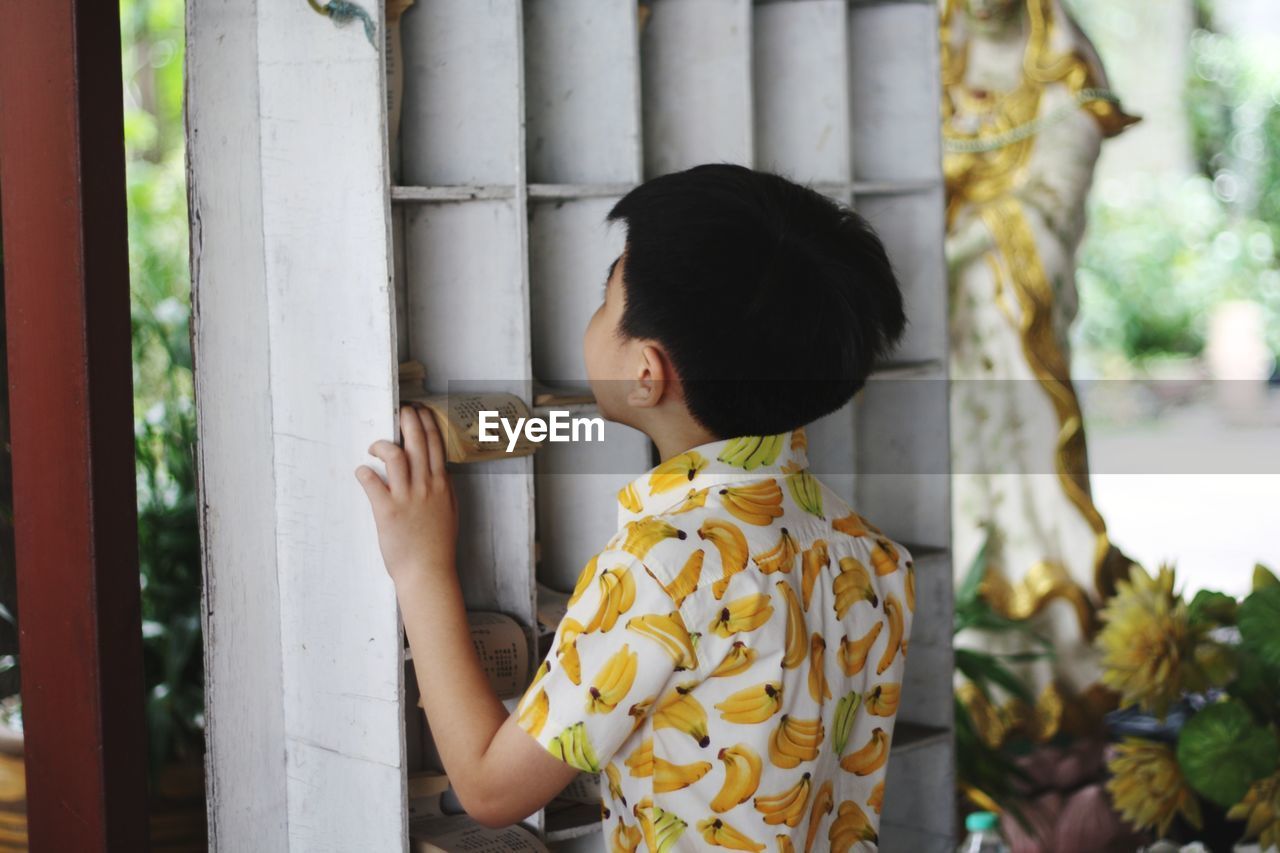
(1165, 245)
(152, 41)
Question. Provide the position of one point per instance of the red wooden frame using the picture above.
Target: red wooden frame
(70, 387)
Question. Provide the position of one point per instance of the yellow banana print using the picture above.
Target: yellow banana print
(850, 827)
(640, 711)
(738, 659)
(785, 806)
(753, 704)
(893, 610)
(818, 688)
(643, 533)
(661, 828)
(882, 700)
(743, 614)
(675, 472)
(884, 557)
(720, 834)
(909, 585)
(870, 757)
(781, 557)
(806, 491)
(796, 649)
(751, 451)
(852, 585)
(822, 805)
(612, 682)
(629, 498)
(876, 800)
(758, 767)
(672, 777)
(617, 594)
(742, 768)
(732, 545)
(625, 838)
(640, 761)
(567, 649)
(685, 582)
(585, 577)
(854, 525)
(812, 562)
(695, 499)
(533, 717)
(614, 776)
(853, 653)
(795, 740)
(573, 747)
(754, 503)
(680, 710)
(670, 633)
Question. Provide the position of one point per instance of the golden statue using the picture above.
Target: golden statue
(1024, 112)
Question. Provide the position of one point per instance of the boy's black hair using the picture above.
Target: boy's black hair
(772, 299)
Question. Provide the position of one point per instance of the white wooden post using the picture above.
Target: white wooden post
(295, 374)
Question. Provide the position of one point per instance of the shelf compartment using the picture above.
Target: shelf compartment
(570, 250)
(461, 118)
(467, 301)
(582, 98)
(801, 108)
(912, 228)
(695, 66)
(894, 80)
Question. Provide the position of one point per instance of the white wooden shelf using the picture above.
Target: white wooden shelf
(401, 194)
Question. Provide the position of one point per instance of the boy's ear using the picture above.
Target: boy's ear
(653, 376)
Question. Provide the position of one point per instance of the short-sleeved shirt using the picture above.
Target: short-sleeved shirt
(731, 661)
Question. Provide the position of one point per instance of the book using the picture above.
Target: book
(458, 416)
(458, 833)
(413, 379)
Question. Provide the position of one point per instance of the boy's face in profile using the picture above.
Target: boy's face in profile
(609, 357)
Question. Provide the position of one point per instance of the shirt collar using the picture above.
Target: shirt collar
(747, 457)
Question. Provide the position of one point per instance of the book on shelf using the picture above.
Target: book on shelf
(459, 832)
(549, 395)
(503, 648)
(413, 379)
(552, 606)
(458, 416)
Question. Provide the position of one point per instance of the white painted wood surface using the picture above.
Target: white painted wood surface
(295, 377)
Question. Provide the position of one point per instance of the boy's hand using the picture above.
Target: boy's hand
(416, 514)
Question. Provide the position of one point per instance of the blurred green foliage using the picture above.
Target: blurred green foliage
(1161, 252)
(152, 40)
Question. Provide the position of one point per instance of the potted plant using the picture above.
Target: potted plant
(1198, 756)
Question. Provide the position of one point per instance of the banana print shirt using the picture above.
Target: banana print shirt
(730, 662)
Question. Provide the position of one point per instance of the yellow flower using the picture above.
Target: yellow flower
(1147, 787)
(1261, 808)
(1146, 641)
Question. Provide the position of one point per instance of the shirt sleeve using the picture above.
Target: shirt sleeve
(612, 655)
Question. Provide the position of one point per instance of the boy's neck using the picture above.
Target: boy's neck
(675, 438)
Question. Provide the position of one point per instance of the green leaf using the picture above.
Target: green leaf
(981, 668)
(1212, 608)
(1263, 577)
(1222, 751)
(967, 594)
(1259, 621)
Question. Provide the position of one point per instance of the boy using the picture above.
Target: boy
(730, 662)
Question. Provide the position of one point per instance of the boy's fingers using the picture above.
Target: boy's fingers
(435, 445)
(397, 464)
(415, 444)
(372, 484)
